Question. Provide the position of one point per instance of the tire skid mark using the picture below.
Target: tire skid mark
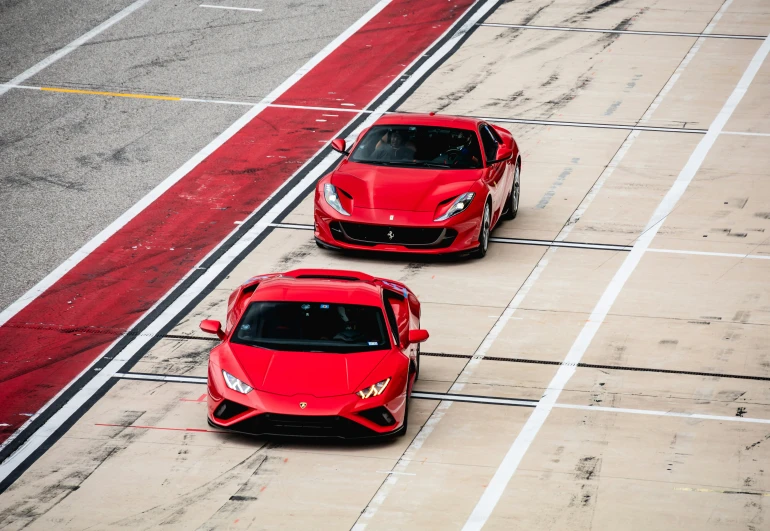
(247, 493)
(171, 513)
(77, 469)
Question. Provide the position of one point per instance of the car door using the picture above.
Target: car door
(495, 171)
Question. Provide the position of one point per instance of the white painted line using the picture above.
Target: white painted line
(474, 399)
(74, 45)
(235, 8)
(85, 393)
(531, 428)
(222, 102)
(296, 226)
(8, 86)
(698, 416)
(624, 32)
(705, 253)
(161, 377)
(744, 133)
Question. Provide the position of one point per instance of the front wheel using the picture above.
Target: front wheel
(486, 222)
(511, 208)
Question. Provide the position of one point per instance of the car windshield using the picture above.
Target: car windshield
(312, 327)
(419, 146)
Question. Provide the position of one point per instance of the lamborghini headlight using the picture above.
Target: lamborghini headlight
(460, 204)
(374, 390)
(235, 384)
(333, 199)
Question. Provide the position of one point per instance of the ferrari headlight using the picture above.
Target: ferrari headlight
(374, 390)
(235, 384)
(333, 198)
(460, 204)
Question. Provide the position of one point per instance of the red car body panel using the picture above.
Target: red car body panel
(326, 383)
(393, 196)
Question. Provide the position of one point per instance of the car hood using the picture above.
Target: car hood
(393, 188)
(313, 373)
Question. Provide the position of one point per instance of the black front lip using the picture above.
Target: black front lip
(371, 435)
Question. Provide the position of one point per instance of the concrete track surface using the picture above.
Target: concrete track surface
(605, 366)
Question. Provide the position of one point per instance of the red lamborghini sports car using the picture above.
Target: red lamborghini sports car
(314, 352)
(421, 184)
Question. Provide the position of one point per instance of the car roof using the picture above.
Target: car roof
(458, 122)
(333, 287)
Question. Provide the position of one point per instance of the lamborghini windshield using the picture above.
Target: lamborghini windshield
(312, 327)
(419, 146)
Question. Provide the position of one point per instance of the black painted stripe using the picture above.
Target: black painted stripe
(624, 32)
(599, 366)
(591, 125)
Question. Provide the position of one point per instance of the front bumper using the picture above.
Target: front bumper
(346, 417)
(401, 232)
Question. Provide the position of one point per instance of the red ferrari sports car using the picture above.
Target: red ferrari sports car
(315, 352)
(420, 183)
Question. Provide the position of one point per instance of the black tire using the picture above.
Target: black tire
(511, 209)
(486, 222)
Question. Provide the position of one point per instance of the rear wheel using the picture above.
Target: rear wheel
(511, 208)
(486, 222)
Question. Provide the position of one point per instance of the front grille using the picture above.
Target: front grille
(302, 426)
(410, 237)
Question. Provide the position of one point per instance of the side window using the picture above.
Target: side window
(490, 145)
(402, 319)
(495, 134)
(391, 318)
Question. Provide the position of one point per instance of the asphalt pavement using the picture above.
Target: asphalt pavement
(70, 164)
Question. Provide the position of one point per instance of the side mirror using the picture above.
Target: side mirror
(338, 144)
(503, 153)
(418, 336)
(211, 326)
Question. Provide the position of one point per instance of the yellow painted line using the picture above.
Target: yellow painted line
(116, 94)
(689, 489)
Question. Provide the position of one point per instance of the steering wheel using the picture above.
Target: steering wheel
(452, 156)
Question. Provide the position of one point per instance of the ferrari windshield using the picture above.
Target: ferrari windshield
(419, 146)
(312, 327)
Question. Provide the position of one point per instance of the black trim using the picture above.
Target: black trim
(304, 426)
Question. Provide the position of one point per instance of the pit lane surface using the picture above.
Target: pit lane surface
(664, 422)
